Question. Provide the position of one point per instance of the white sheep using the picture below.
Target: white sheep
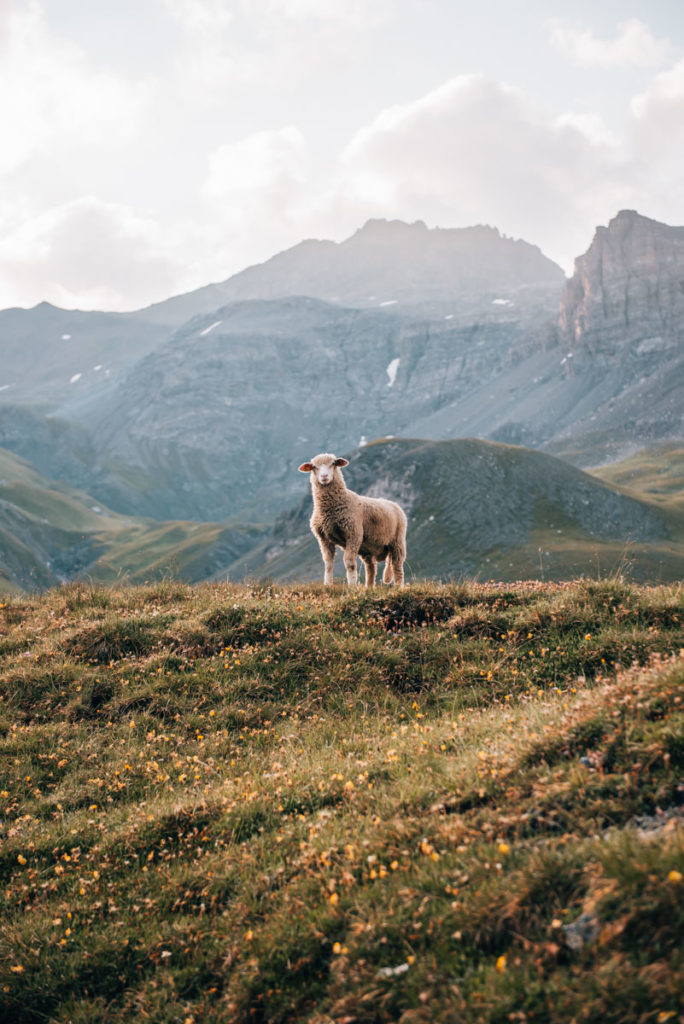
(374, 528)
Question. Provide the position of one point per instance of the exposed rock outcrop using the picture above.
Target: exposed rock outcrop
(626, 296)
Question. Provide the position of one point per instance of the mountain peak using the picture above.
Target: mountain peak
(629, 220)
(626, 288)
(378, 229)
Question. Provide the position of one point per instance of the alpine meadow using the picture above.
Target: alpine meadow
(341, 512)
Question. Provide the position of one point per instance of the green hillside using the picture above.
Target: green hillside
(50, 533)
(443, 803)
(494, 511)
(656, 474)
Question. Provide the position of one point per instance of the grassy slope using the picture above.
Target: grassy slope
(656, 475)
(48, 530)
(232, 803)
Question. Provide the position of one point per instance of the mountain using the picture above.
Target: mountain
(621, 321)
(478, 508)
(444, 334)
(612, 379)
(383, 263)
(51, 533)
(49, 355)
(210, 424)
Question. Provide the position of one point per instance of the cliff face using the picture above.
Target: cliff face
(626, 296)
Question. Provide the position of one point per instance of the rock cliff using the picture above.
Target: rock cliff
(626, 296)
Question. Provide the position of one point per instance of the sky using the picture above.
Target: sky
(149, 147)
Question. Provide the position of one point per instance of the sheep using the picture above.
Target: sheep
(374, 528)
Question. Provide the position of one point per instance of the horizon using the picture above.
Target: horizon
(371, 220)
(150, 151)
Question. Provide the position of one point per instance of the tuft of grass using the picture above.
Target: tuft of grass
(234, 803)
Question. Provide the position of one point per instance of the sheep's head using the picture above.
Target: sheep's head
(323, 467)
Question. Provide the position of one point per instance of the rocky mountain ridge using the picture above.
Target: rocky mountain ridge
(626, 295)
(383, 263)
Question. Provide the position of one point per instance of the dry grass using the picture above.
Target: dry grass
(232, 803)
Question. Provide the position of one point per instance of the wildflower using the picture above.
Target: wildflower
(21, 859)
(501, 963)
(504, 849)
(675, 877)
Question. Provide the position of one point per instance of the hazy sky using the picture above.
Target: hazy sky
(151, 146)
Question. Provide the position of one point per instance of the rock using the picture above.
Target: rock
(621, 340)
(626, 296)
(582, 932)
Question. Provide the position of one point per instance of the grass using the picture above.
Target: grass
(655, 474)
(49, 531)
(257, 803)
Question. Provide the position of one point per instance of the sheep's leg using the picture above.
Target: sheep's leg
(397, 556)
(351, 555)
(388, 574)
(370, 565)
(328, 553)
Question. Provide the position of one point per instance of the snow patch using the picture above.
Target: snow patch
(5, 386)
(390, 302)
(392, 371)
(449, 316)
(66, 337)
(501, 302)
(76, 376)
(98, 367)
(210, 328)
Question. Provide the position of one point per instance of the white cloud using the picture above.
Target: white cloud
(266, 43)
(265, 168)
(657, 125)
(478, 151)
(257, 196)
(355, 13)
(51, 100)
(87, 254)
(634, 45)
(201, 16)
(659, 110)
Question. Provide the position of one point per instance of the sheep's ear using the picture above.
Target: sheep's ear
(306, 467)
(341, 462)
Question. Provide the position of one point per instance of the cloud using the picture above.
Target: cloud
(257, 195)
(634, 45)
(201, 16)
(263, 168)
(659, 111)
(87, 254)
(51, 100)
(479, 151)
(265, 43)
(357, 14)
(657, 126)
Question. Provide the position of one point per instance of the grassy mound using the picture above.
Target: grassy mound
(233, 803)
